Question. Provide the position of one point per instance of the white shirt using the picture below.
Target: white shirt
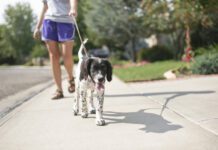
(58, 11)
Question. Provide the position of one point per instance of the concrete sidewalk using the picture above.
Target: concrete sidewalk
(196, 99)
(135, 116)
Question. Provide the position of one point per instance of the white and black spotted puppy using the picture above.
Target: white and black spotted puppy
(91, 74)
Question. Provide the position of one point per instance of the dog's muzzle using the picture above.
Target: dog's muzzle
(100, 84)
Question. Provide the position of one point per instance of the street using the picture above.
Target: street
(16, 79)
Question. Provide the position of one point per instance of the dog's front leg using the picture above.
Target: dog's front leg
(83, 94)
(76, 101)
(91, 104)
(99, 119)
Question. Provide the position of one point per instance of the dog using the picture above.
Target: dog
(91, 75)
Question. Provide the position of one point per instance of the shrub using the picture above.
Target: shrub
(204, 50)
(205, 64)
(156, 53)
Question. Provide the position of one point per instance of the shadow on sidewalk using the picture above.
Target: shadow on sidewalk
(179, 93)
(152, 122)
(173, 94)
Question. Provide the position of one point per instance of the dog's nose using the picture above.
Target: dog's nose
(100, 79)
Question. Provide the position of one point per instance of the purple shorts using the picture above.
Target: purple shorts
(57, 31)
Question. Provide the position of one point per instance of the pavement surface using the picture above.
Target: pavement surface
(195, 99)
(164, 115)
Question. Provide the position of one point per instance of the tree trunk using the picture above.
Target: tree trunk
(188, 49)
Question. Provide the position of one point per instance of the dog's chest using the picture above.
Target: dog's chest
(90, 84)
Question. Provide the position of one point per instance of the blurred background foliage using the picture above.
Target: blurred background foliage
(16, 34)
(123, 26)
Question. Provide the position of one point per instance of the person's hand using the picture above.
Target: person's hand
(36, 34)
(73, 13)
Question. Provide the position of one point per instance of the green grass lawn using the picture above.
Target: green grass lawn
(147, 72)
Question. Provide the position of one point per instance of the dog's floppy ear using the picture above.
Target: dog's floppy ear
(109, 71)
(88, 65)
(85, 69)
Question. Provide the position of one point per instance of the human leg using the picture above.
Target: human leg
(54, 55)
(67, 48)
(68, 63)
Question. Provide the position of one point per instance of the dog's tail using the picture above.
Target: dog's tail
(81, 53)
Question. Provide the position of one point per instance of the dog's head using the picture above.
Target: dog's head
(99, 70)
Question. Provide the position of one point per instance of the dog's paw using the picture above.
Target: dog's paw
(100, 122)
(75, 112)
(93, 111)
(84, 115)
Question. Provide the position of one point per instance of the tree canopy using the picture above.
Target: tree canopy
(118, 24)
(114, 23)
(16, 34)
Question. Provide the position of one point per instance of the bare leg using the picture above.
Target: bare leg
(54, 55)
(67, 48)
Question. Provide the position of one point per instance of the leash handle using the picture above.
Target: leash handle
(80, 37)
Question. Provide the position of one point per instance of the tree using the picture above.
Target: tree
(178, 18)
(7, 55)
(115, 23)
(19, 20)
(206, 33)
(120, 22)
